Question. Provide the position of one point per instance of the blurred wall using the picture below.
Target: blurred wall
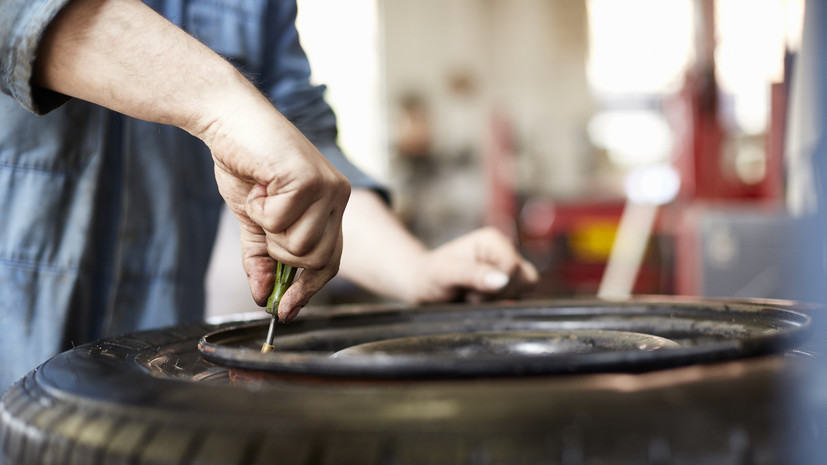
(523, 60)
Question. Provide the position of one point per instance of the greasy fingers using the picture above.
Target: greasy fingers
(258, 265)
(307, 284)
(261, 276)
(260, 269)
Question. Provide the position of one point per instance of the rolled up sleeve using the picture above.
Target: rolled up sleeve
(286, 80)
(22, 23)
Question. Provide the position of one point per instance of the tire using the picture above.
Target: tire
(149, 398)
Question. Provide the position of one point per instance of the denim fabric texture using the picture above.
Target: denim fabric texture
(106, 222)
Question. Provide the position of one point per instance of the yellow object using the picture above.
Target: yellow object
(591, 239)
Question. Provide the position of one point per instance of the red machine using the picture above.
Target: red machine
(570, 242)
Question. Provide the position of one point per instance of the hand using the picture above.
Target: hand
(385, 258)
(481, 265)
(287, 197)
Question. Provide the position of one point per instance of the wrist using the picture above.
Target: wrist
(224, 104)
(380, 255)
(408, 282)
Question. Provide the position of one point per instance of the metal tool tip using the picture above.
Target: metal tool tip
(271, 335)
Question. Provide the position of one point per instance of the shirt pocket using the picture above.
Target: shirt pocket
(231, 28)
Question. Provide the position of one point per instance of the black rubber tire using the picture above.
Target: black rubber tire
(119, 401)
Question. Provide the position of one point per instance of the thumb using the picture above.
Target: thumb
(299, 293)
(489, 279)
(477, 276)
(307, 283)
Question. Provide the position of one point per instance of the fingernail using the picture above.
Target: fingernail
(293, 314)
(284, 317)
(495, 280)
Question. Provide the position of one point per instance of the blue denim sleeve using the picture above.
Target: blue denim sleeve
(22, 23)
(286, 80)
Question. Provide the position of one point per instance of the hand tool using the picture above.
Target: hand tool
(284, 278)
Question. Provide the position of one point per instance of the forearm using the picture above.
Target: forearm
(379, 255)
(383, 257)
(124, 56)
(286, 195)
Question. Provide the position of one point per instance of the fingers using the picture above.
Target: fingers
(261, 276)
(489, 279)
(260, 269)
(258, 265)
(277, 211)
(526, 278)
(466, 274)
(308, 236)
(495, 249)
(482, 264)
(301, 226)
(306, 285)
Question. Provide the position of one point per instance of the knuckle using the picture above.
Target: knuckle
(271, 224)
(315, 262)
(313, 185)
(274, 251)
(299, 248)
(257, 211)
(343, 187)
(336, 186)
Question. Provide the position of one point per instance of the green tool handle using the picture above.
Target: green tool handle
(284, 278)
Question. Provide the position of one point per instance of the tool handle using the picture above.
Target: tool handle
(284, 278)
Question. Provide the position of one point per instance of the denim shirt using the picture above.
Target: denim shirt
(107, 222)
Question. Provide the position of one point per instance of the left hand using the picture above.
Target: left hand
(481, 265)
(383, 257)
